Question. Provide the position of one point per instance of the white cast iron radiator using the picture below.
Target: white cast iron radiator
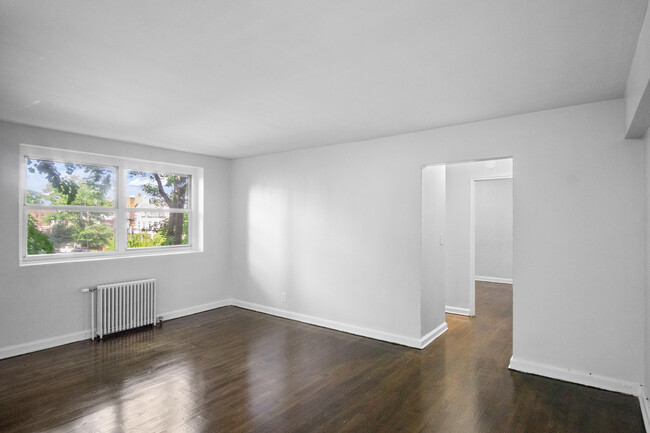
(121, 306)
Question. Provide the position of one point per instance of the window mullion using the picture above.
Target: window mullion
(121, 226)
(157, 209)
(93, 243)
(64, 208)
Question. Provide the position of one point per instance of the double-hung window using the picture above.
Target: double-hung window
(77, 205)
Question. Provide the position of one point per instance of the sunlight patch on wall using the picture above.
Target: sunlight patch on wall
(267, 240)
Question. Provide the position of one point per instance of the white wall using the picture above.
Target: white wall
(332, 228)
(457, 272)
(434, 221)
(637, 88)
(338, 228)
(493, 217)
(44, 302)
(647, 262)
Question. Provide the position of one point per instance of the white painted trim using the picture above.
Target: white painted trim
(89, 257)
(325, 323)
(457, 310)
(427, 339)
(403, 340)
(645, 408)
(331, 324)
(472, 247)
(46, 343)
(493, 279)
(33, 346)
(195, 309)
(472, 236)
(575, 376)
(121, 165)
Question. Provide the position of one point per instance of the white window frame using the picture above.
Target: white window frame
(121, 166)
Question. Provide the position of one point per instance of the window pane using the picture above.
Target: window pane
(155, 229)
(58, 183)
(50, 232)
(157, 190)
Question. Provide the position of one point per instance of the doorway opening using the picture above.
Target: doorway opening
(490, 233)
(467, 233)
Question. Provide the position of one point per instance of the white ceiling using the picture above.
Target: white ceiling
(238, 78)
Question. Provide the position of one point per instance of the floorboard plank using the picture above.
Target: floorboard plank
(240, 371)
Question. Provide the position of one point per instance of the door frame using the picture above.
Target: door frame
(472, 236)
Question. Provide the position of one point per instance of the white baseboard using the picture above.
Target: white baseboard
(645, 408)
(427, 339)
(575, 376)
(33, 346)
(331, 324)
(457, 310)
(493, 279)
(195, 309)
(46, 343)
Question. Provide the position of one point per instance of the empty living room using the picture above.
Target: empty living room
(325, 216)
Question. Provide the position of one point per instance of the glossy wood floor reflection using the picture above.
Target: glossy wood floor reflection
(234, 370)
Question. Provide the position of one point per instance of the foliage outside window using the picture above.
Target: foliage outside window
(77, 209)
(157, 203)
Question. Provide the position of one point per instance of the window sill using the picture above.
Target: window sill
(34, 261)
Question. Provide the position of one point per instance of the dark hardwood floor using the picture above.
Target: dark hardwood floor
(234, 370)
